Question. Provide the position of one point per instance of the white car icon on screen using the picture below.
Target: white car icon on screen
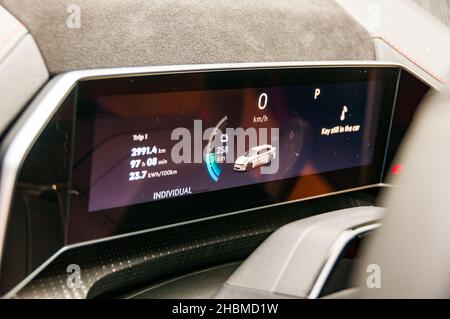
(254, 157)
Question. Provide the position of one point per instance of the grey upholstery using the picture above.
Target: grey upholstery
(116, 33)
(439, 9)
(412, 248)
(405, 33)
(22, 70)
(11, 32)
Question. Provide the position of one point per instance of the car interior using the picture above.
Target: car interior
(251, 149)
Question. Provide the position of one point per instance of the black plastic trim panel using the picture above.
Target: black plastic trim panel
(124, 262)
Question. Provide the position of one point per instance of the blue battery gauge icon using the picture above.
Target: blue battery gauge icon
(212, 164)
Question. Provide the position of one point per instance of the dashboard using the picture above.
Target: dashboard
(120, 152)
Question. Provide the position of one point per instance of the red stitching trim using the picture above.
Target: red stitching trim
(413, 60)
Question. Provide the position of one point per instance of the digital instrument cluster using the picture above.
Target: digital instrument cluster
(164, 148)
(157, 146)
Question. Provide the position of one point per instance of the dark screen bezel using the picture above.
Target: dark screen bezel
(410, 93)
(83, 225)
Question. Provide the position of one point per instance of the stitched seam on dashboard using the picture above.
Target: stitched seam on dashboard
(14, 47)
(411, 58)
(5, 38)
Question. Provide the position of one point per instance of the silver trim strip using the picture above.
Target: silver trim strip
(334, 253)
(40, 111)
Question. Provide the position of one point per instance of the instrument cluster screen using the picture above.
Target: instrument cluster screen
(155, 144)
